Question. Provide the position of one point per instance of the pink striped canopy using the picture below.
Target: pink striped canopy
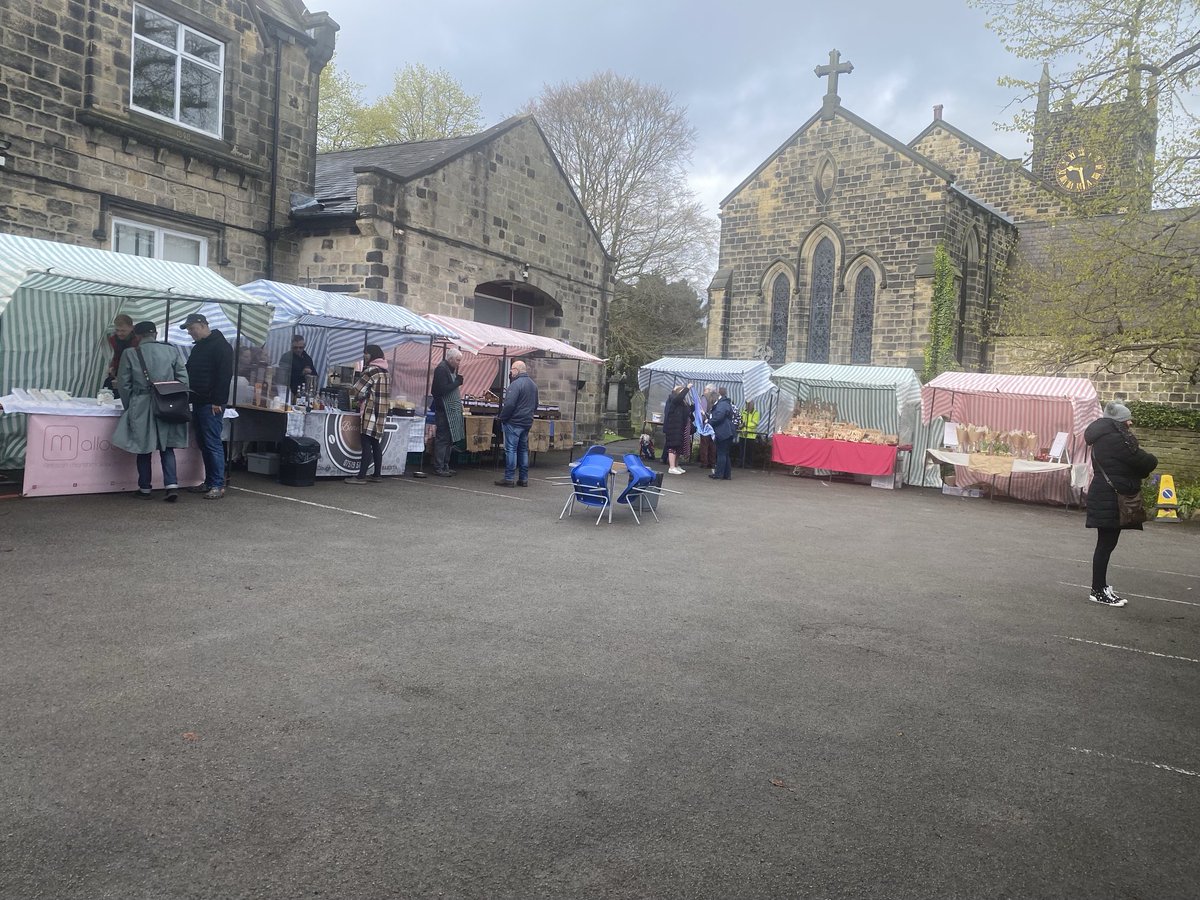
(492, 340)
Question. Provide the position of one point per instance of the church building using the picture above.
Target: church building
(827, 248)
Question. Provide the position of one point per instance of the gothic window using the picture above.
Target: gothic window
(965, 286)
(781, 294)
(864, 317)
(820, 317)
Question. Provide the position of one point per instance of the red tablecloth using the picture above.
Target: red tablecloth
(836, 456)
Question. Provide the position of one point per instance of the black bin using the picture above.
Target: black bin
(298, 461)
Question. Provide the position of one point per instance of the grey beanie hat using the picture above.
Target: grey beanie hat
(1118, 411)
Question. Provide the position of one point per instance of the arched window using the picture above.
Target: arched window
(821, 313)
(966, 284)
(864, 316)
(781, 295)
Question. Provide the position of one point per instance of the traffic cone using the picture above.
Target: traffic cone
(1168, 505)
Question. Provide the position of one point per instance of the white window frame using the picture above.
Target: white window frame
(159, 234)
(180, 55)
(510, 304)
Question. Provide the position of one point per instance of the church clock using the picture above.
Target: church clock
(1079, 170)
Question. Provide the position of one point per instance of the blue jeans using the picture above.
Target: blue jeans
(516, 453)
(208, 437)
(723, 468)
(167, 457)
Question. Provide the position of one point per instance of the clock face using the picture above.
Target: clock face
(1079, 169)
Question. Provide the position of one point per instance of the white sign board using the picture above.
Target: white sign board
(950, 437)
(1059, 447)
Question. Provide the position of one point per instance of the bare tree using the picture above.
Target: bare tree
(625, 147)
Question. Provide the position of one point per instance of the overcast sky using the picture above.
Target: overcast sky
(742, 68)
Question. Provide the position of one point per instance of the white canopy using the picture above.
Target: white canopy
(57, 303)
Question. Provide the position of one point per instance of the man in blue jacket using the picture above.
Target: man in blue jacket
(516, 418)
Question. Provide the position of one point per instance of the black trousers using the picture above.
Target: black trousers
(1106, 542)
(372, 452)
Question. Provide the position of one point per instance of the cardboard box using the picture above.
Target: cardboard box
(888, 482)
(952, 491)
(263, 463)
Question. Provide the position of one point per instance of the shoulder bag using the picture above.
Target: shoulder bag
(1131, 507)
(168, 399)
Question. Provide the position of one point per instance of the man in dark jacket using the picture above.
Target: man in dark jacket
(721, 420)
(1119, 466)
(516, 418)
(296, 365)
(447, 410)
(210, 371)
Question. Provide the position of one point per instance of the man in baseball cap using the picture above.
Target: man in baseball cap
(194, 319)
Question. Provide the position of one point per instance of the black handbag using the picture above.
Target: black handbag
(168, 399)
(1130, 507)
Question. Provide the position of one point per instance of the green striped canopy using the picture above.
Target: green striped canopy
(871, 396)
(57, 303)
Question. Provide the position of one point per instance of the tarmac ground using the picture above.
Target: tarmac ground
(437, 688)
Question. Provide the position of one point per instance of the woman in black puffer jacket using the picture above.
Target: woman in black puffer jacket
(1115, 453)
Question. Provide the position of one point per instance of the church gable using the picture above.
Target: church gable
(852, 212)
(1001, 183)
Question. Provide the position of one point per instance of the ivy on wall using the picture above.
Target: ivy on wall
(939, 355)
(1159, 415)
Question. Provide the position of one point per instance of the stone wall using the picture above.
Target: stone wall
(81, 155)
(1177, 449)
(1002, 184)
(427, 243)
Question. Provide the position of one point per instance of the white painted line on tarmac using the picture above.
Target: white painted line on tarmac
(305, 502)
(1136, 762)
(1139, 596)
(1088, 562)
(450, 487)
(1130, 649)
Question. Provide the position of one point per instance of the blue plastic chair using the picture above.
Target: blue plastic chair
(589, 485)
(641, 485)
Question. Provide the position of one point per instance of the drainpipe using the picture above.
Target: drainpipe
(987, 299)
(274, 188)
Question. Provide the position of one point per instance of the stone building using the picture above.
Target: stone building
(827, 247)
(483, 227)
(176, 129)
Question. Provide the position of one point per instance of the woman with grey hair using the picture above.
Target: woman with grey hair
(1119, 465)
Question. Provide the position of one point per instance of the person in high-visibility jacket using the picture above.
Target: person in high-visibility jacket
(750, 420)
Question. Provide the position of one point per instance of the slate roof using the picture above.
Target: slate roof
(984, 149)
(336, 181)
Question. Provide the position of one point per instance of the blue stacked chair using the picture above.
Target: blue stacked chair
(641, 485)
(589, 485)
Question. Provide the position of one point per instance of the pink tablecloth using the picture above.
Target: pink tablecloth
(836, 456)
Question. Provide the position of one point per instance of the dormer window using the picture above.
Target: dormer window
(177, 72)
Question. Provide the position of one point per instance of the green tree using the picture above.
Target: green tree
(422, 105)
(653, 318)
(425, 105)
(1114, 292)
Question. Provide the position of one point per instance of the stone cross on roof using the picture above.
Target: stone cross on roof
(836, 67)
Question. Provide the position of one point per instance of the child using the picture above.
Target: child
(647, 446)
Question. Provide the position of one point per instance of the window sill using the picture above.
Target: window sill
(170, 137)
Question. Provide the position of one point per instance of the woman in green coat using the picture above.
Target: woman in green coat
(139, 430)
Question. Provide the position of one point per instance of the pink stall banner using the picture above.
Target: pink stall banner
(75, 455)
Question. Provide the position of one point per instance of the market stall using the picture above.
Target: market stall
(487, 351)
(56, 304)
(852, 419)
(743, 379)
(1005, 422)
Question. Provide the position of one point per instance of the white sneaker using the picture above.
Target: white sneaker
(1112, 595)
(1105, 599)
(675, 471)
